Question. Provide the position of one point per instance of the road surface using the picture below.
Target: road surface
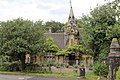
(54, 78)
(14, 77)
(22, 77)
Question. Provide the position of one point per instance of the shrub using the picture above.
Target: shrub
(11, 66)
(32, 67)
(15, 66)
(100, 69)
(118, 74)
(57, 65)
(5, 66)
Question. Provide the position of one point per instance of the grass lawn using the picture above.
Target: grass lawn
(66, 75)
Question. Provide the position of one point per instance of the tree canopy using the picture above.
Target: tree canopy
(19, 37)
(56, 27)
(51, 46)
(98, 28)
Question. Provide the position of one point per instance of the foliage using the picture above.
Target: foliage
(51, 46)
(19, 37)
(98, 29)
(57, 64)
(4, 63)
(32, 67)
(100, 69)
(11, 66)
(85, 36)
(56, 27)
(72, 49)
(104, 50)
(61, 52)
(118, 74)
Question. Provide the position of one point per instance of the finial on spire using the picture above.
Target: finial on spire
(70, 3)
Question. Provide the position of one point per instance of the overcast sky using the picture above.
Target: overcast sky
(45, 10)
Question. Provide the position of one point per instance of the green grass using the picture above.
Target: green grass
(65, 75)
(91, 76)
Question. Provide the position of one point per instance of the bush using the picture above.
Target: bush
(47, 64)
(5, 66)
(15, 66)
(32, 67)
(57, 65)
(100, 69)
(11, 66)
(118, 74)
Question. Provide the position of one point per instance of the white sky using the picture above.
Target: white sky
(45, 10)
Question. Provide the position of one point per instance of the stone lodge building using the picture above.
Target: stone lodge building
(63, 40)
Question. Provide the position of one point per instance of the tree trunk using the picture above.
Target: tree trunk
(23, 61)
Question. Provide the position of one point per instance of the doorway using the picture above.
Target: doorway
(72, 60)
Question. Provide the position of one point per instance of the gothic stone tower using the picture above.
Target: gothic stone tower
(72, 28)
(72, 38)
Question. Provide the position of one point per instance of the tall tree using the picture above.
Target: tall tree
(99, 28)
(19, 37)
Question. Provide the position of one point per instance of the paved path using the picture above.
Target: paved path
(14, 77)
(21, 77)
(53, 78)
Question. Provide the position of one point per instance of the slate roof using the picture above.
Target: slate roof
(59, 39)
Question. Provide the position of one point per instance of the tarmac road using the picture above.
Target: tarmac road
(14, 77)
(53, 78)
(22, 77)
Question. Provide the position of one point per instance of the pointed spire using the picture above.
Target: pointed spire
(71, 14)
(70, 3)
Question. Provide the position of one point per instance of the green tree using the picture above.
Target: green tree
(100, 69)
(99, 28)
(86, 33)
(56, 27)
(19, 37)
(73, 49)
(51, 46)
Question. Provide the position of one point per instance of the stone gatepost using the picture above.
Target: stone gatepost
(113, 58)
